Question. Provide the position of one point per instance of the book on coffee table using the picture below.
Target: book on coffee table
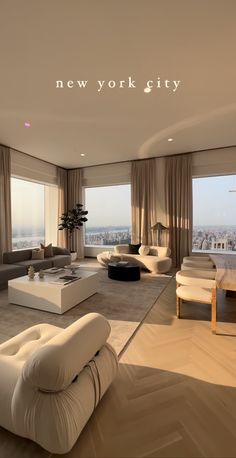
(54, 270)
(66, 279)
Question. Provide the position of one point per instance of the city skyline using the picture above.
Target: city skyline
(109, 214)
(111, 205)
(214, 239)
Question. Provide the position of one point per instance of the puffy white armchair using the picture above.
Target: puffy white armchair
(156, 260)
(52, 379)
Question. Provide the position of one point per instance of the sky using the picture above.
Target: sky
(213, 204)
(108, 206)
(27, 205)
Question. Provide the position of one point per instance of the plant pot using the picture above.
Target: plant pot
(73, 255)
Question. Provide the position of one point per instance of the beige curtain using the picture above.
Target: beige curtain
(62, 203)
(179, 205)
(75, 196)
(143, 201)
(5, 201)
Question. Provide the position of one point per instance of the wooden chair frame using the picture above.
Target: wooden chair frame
(213, 307)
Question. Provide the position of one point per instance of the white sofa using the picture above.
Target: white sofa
(157, 261)
(52, 379)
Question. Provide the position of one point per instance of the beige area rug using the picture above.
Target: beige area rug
(124, 304)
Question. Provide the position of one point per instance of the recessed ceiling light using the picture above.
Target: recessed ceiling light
(27, 124)
(82, 154)
(170, 139)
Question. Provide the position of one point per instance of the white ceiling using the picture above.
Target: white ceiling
(188, 40)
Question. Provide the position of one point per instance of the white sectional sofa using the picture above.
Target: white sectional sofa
(156, 261)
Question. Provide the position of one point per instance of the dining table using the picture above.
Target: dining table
(225, 271)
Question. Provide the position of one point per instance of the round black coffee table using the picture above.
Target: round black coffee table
(123, 271)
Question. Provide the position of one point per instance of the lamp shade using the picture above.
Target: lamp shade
(158, 227)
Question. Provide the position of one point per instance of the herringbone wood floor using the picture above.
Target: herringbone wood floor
(175, 395)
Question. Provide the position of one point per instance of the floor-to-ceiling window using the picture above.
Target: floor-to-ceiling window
(214, 214)
(28, 220)
(109, 215)
(34, 213)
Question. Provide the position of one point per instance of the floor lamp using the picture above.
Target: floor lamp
(159, 228)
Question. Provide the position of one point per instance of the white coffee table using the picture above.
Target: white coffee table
(52, 297)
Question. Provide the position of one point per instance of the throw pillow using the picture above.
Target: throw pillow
(38, 253)
(143, 250)
(48, 251)
(133, 249)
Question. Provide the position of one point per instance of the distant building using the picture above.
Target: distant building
(205, 245)
(219, 245)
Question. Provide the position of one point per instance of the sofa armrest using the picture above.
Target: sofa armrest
(57, 250)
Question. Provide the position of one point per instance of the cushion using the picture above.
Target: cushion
(196, 258)
(57, 363)
(194, 267)
(38, 253)
(133, 249)
(195, 294)
(193, 278)
(199, 264)
(143, 250)
(48, 251)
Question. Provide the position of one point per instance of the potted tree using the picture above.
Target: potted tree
(72, 220)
